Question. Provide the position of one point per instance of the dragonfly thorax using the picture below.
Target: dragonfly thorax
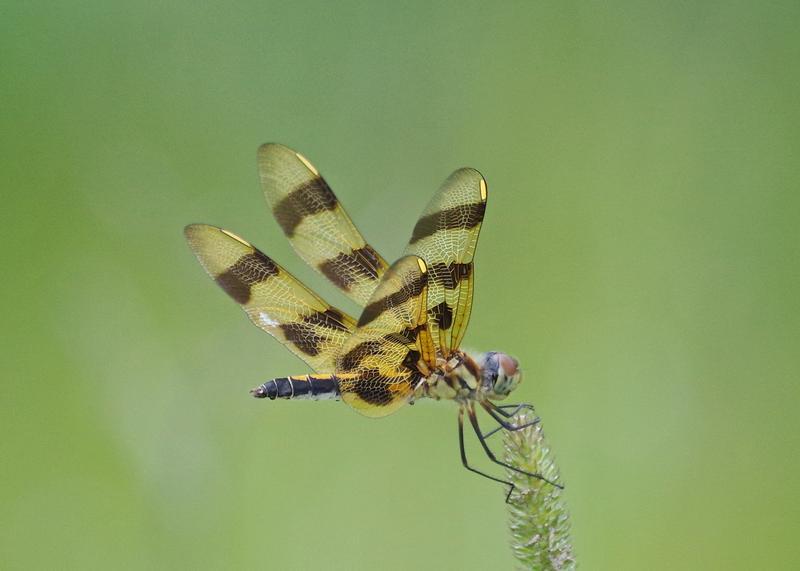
(492, 375)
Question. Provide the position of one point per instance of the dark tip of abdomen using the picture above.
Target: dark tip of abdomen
(267, 390)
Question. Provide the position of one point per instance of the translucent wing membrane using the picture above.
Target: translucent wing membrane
(445, 237)
(317, 226)
(391, 350)
(417, 307)
(271, 297)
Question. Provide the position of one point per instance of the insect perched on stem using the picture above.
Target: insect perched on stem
(405, 344)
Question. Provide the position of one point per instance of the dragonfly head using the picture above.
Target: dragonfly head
(501, 374)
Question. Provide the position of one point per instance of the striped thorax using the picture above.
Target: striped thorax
(489, 376)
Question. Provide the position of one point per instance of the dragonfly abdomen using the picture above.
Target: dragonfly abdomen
(311, 387)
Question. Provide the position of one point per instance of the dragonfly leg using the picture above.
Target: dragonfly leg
(517, 408)
(473, 419)
(464, 456)
(495, 410)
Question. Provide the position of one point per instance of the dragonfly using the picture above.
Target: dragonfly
(405, 345)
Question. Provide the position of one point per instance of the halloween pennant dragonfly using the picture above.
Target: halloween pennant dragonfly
(405, 344)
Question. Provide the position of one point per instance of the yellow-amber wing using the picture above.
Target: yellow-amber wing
(391, 350)
(315, 223)
(272, 298)
(445, 237)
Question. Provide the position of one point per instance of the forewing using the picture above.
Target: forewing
(381, 364)
(445, 237)
(272, 298)
(315, 223)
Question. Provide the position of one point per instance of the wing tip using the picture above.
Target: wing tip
(473, 173)
(268, 153)
(267, 148)
(235, 237)
(197, 233)
(409, 259)
(307, 163)
(190, 231)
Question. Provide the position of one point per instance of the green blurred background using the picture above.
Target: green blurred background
(640, 257)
